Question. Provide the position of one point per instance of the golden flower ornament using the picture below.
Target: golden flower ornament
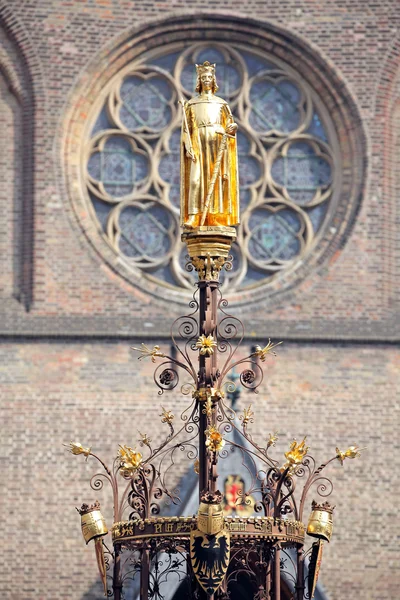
(214, 440)
(351, 452)
(144, 439)
(295, 455)
(130, 460)
(268, 349)
(272, 439)
(207, 410)
(167, 416)
(247, 416)
(206, 345)
(146, 352)
(196, 466)
(77, 448)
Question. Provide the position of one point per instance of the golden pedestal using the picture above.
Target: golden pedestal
(209, 249)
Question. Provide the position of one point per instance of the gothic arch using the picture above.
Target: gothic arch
(17, 61)
(387, 122)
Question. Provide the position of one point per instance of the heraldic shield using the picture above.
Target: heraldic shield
(210, 558)
(210, 544)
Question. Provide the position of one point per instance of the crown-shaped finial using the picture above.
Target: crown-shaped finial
(325, 506)
(87, 508)
(206, 67)
(211, 497)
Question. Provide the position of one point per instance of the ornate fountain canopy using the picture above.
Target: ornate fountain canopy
(209, 555)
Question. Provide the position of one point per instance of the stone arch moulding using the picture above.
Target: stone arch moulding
(17, 61)
(284, 48)
(387, 123)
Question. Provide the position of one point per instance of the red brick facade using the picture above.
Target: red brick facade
(69, 315)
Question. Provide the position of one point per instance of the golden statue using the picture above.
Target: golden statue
(209, 167)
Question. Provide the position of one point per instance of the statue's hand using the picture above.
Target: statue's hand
(190, 154)
(232, 129)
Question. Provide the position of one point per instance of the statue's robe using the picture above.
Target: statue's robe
(207, 120)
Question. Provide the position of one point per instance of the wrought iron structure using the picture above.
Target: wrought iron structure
(211, 555)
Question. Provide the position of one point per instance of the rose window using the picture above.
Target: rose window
(288, 169)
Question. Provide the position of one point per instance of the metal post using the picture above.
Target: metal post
(117, 583)
(277, 569)
(268, 576)
(268, 581)
(300, 574)
(208, 303)
(144, 574)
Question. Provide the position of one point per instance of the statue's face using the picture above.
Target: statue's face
(206, 81)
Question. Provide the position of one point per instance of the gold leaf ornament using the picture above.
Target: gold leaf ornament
(351, 452)
(295, 455)
(207, 410)
(130, 460)
(145, 440)
(214, 440)
(167, 416)
(145, 352)
(77, 448)
(273, 437)
(268, 349)
(206, 345)
(247, 416)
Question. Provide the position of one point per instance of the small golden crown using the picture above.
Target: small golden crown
(206, 67)
(325, 506)
(211, 497)
(87, 508)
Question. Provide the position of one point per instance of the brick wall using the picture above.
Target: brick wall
(66, 370)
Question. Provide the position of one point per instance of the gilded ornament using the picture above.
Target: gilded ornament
(77, 448)
(145, 440)
(247, 416)
(92, 521)
(272, 439)
(261, 353)
(146, 352)
(196, 466)
(94, 527)
(214, 440)
(295, 455)
(210, 543)
(208, 268)
(130, 460)
(167, 416)
(206, 344)
(199, 266)
(320, 522)
(351, 452)
(207, 410)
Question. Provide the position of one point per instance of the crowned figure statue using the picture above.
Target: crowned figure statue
(209, 167)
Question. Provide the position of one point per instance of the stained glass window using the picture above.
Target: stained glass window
(287, 167)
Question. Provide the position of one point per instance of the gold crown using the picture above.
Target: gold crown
(211, 497)
(206, 67)
(87, 508)
(325, 506)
